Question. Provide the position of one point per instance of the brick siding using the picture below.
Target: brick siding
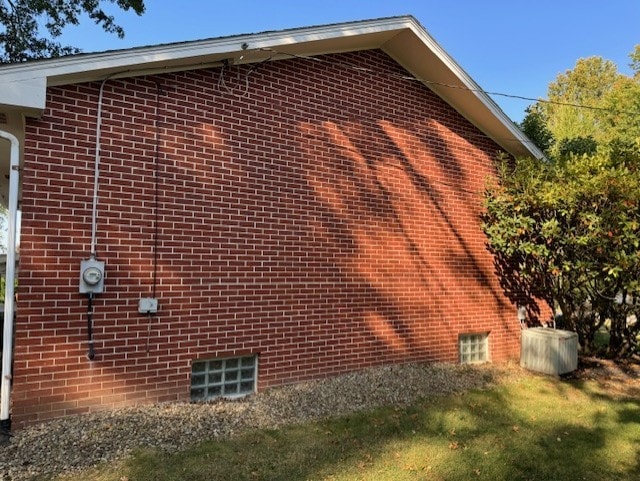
(321, 215)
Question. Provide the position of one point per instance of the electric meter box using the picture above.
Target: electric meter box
(91, 276)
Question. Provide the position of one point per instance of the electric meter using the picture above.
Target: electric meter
(91, 276)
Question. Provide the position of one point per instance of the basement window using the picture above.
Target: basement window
(230, 378)
(474, 348)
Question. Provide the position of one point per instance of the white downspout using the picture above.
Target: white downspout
(9, 296)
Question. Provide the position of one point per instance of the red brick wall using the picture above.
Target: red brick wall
(320, 216)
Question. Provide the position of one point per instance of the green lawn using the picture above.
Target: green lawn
(537, 428)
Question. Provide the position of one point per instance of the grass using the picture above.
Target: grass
(538, 428)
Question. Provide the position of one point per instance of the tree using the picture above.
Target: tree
(621, 112)
(635, 61)
(589, 105)
(20, 20)
(534, 126)
(567, 231)
(587, 84)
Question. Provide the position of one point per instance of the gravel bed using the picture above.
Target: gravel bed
(83, 441)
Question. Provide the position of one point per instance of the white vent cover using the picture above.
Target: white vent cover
(549, 351)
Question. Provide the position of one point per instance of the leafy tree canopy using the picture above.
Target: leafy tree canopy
(635, 61)
(534, 125)
(609, 108)
(568, 231)
(21, 22)
(587, 84)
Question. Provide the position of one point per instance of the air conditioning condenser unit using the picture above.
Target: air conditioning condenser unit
(549, 351)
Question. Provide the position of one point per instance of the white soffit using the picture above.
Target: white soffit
(427, 61)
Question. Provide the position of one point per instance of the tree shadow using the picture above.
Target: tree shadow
(330, 219)
(494, 434)
(520, 291)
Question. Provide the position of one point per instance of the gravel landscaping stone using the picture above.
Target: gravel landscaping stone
(83, 441)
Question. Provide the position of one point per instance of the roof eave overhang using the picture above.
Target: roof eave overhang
(427, 61)
(402, 38)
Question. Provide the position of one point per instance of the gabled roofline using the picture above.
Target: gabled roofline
(23, 85)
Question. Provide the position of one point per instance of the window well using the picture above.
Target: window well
(474, 348)
(214, 378)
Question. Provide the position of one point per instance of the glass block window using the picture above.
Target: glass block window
(474, 348)
(233, 377)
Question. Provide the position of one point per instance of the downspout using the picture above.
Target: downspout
(9, 296)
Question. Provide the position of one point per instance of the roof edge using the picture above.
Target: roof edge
(190, 53)
(24, 84)
(469, 85)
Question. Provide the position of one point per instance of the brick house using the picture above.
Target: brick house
(216, 217)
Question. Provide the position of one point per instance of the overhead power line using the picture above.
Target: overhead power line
(452, 86)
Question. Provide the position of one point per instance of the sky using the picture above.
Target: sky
(512, 47)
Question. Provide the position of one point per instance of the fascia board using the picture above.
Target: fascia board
(23, 85)
(309, 41)
(28, 94)
(403, 38)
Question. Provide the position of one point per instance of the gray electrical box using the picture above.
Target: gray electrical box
(549, 351)
(91, 276)
(148, 305)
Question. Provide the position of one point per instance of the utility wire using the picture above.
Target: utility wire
(224, 88)
(451, 86)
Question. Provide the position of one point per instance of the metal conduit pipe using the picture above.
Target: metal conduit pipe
(9, 296)
(92, 270)
(96, 171)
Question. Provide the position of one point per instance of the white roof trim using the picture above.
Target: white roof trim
(23, 86)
